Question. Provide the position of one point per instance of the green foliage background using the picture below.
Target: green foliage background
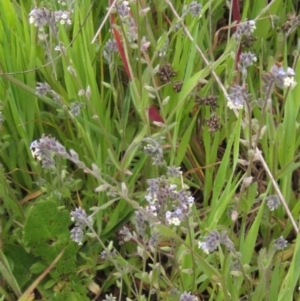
(109, 132)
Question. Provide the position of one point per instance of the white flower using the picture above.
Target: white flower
(174, 221)
(235, 104)
(252, 25)
(148, 198)
(110, 298)
(289, 82)
(203, 246)
(152, 210)
(191, 200)
(290, 71)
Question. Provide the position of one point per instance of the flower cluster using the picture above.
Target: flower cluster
(187, 297)
(43, 89)
(45, 145)
(195, 9)
(165, 202)
(154, 149)
(82, 220)
(110, 48)
(213, 240)
(140, 223)
(108, 252)
(280, 243)
(174, 172)
(62, 17)
(273, 202)
(244, 29)
(42, 16)
(44, 149)
(282, 79)
(246, 60)
(237, 97)
(75, 107)
(124, 235)
(130, 28)
(123, 9)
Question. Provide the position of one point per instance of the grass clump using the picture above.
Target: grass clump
(149, 150)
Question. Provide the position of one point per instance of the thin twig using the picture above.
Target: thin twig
(104, 20)
(281, 197)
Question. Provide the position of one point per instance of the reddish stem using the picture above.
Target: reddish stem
(153, 113)
(119, 42)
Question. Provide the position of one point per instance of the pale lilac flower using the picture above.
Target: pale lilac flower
(203, 245)
(41, 17)
(237, 97)
(77, 235)
(280, 243)
(42, 88)
(166, 202)
(123, 9)
(81, 218)
(48, 144)
(153, 241)
(247, 59)
(283, 79)
(273, 202)
(244, 29)
(154, 149)
(140, 223)
(195, 9)
(62, 17)
(110, 48)
(125, 235)
(75, 107)
(173, 171)
(187, 297)
(213, 240)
